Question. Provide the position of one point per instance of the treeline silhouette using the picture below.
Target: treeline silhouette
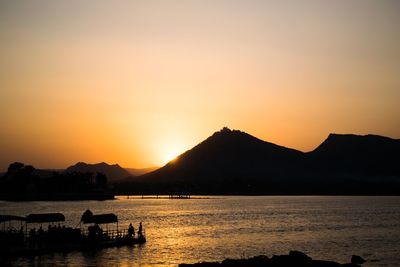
(25, 182)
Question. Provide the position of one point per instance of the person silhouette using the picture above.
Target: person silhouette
(40, 231)
(131, 230)
(140, 229)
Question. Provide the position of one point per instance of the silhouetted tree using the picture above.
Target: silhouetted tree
(101, 179)
(15, 166)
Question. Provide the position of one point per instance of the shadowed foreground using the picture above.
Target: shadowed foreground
(295, 258)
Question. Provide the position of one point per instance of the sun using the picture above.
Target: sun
(170, 146)
(170, 154)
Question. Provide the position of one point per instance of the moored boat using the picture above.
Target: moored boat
(27, 240)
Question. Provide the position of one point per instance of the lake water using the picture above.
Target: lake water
(210, 229)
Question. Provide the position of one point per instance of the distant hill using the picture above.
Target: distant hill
(228, 154)
(113, 172)
(137, 172)
(234, 162)
(368, 154)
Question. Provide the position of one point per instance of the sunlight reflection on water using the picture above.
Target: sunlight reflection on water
(209, 229)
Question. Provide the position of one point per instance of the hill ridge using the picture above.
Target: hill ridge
(114, 172)
(232, 161)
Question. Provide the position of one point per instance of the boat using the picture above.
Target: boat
(93, 232)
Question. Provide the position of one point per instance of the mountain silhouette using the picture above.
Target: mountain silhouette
(113, 172)
(234, 162)
(368, 154)
(229, 153)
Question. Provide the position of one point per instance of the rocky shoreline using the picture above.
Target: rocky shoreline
(293, 259)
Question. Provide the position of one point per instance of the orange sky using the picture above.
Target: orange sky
(139, 82)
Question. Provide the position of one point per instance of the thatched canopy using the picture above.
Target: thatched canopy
(45, 217)
(6, 218)
(101, 218)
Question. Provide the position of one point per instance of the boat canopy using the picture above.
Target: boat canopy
(45, 217)
(6, 218)
(101, 218)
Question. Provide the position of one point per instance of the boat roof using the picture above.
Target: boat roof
(45, 217)
(6, 218)
(101, 218)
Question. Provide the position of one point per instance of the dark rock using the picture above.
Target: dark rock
(257, 261)
(290, 260)
(260, 260)
(319, 263)
(281, 259)
(236, 262)
(299, 256)
(295, 258)
(357, 259)
(202, 264)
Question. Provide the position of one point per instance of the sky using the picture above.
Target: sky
(139, 82)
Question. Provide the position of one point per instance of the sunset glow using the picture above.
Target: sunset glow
(171, 152)
(140, 82)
